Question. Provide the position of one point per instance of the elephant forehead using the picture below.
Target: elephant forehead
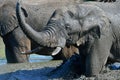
(71, 8)
(88, 9)
(90, 21)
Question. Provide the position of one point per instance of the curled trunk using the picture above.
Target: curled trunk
(39, 37)
(49, 37)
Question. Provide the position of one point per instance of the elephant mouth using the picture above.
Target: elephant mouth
(80, 42)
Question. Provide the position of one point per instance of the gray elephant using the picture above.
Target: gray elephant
(14, 39)
(92, 26)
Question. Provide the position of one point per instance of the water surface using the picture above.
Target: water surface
(33, 58)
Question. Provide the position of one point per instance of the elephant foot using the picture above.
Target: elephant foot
(68, 69)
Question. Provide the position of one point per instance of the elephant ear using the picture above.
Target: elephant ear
(8, 20)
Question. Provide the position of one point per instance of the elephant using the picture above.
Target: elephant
(93, 27)
(14, 38)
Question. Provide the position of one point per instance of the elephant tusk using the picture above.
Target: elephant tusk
(56, 51)
(80, 41)
(31, 51)
(26, 52)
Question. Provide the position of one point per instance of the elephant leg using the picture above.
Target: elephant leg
(13, 57)
(15, 43)
(98, 55)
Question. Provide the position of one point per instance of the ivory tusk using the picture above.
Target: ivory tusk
(27, 52)
(31, 51)
(56, 51)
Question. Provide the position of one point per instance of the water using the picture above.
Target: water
(3, 61)
(114, 66)
(39, 58)
(33, 58)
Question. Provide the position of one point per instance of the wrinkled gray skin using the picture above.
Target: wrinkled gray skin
(14, 39)
(93, 27)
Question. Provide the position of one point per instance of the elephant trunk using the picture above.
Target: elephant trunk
(39, 37)
(31, 33)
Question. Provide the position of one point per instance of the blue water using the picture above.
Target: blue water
(33, 58)
(39, 58)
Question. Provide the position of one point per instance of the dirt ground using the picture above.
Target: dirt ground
(38, 71)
